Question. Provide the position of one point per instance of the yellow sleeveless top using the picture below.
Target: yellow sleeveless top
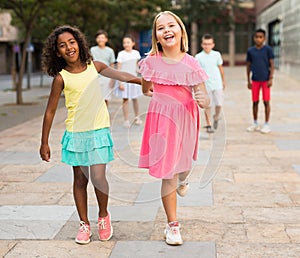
(84, 100)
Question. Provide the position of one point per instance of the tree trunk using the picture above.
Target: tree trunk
(21, 73)
(194, 36)
(232, 35)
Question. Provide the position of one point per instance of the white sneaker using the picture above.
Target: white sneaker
(126, 124)
(253, 128)
(172, 234)
(265, 129)
(138, 121)
(182, 188)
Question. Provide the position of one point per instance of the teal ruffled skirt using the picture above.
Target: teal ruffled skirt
(87, 148)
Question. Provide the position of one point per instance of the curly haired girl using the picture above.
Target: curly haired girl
(86, 144)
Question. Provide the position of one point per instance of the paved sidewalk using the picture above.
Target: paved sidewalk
(244, 199)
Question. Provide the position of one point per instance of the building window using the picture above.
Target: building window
(274, 40)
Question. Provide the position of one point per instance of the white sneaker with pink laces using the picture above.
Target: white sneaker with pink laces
(172, 234)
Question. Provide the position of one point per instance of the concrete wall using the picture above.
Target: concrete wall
(260, 5)
(287, 12)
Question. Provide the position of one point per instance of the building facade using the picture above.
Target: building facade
(8, 35)
(281, 20)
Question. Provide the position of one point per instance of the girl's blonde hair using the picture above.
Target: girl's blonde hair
(156, 47)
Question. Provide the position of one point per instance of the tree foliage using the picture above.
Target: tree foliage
(117, 17)
(26, 13)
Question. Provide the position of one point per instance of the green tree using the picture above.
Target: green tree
(26, 12)
(35, 19)
(117, 17)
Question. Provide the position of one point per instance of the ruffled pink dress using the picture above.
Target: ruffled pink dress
(171, 133)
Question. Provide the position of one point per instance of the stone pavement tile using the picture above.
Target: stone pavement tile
(147, 249)
(288, 144)
(32, 222)
(20, 173)
(203, 157)
(276, 215)
(207, 214)
(123, 213)
(297, 168)
(267, 233)
(257, 250)
(290, 128)
(57, 173)
(199, 230)
(246, 148)
(34, 212)
(6, 246)
(278, 158)
(254, 194)
(293, 232)
(266, 178)
(293, 189)
(296, 199)
(32, 198)
(197, 196)
(16, 158)
(149, 194)
(33, 229)
(122, 231)
(62, 249)
(35, 187)
(225, 173)
(253, 169)
(230, 159)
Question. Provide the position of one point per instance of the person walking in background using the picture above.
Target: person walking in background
(171, 133)
(260, 62)
(127, 60)
(106, 55)
(212, 62)
(86, 144)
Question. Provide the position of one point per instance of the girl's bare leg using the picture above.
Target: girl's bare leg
(135, 104)
(169, 198)
(81, 179)
(101, 187)
(125, 109)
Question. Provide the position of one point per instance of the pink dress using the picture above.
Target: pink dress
(170, 139)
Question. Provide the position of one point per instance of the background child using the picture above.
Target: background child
(87, 143)
(212, 62)
(260, 62)
(170, 139)
(106, 55)
(127, 61)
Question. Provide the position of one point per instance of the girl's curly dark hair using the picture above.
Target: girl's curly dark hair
(52, 63)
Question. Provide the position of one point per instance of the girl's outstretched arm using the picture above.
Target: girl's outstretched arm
(147, 88)
(56, 89)
(112, 73)
(201, 95)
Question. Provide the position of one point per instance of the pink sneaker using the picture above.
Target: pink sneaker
(105, 230)
(84, 234)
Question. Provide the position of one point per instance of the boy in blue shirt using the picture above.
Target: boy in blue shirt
(260, 62)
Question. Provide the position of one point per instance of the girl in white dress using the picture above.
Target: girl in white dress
(127, 60)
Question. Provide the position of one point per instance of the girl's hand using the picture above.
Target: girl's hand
(147, 88)
(121, 87)
(149, 93)
(45, 152)
(202, 99)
